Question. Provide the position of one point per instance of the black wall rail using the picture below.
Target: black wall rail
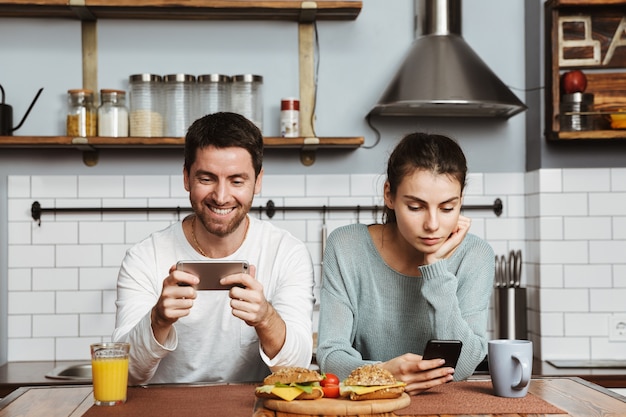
(270, 209)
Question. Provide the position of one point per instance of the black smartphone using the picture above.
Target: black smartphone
(449, 350)
(210, 272)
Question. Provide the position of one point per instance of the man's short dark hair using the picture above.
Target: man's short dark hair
(224, 130)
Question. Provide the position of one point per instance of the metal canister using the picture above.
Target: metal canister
(575, 112)
(213, 93)
(146, 105)
(247, 97)
(178, 92)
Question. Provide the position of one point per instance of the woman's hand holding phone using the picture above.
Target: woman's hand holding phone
(419, 374)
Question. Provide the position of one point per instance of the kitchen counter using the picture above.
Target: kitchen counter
(572, 396)
(18, 374)
(605, 377)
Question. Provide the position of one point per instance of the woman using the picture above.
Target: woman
(389, 288)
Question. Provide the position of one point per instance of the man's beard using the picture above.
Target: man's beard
(219, 228)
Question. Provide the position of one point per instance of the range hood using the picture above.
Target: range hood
(442, 75)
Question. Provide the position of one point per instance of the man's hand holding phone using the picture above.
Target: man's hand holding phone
(176, 300)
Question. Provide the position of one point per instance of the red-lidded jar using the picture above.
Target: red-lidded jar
(290, 117)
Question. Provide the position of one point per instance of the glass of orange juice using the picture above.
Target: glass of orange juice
(109, 367)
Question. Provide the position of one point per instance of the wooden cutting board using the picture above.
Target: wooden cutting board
(338, 406)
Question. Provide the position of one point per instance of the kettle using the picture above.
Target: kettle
(6, 115)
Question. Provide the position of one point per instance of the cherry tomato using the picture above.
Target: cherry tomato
(329, 379)
(331, 391)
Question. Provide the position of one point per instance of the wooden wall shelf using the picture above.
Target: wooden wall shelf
(305, 13)
(164, 142)
(586, 35)
(297, 11)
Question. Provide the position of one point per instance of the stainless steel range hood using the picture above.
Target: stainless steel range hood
(442, 75)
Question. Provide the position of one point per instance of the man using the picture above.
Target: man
(179, 334)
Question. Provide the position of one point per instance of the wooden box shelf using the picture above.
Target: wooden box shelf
(589, 36)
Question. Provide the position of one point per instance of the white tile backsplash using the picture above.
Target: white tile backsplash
(19, 186)
(570, 225)
(591, 228)
(564, 300)
(101, 232)
(283, 185)
(20, 326)
(618, 179)
(148, 186)
(55, 279)
(564, 204)
(608, 300)
(607, 251)
(587, 276)
(586, 324)
(58, 325)
(327, 185)
(607, 204)
(549, 181)
(54, 186)
(592, 180)
(101, 186)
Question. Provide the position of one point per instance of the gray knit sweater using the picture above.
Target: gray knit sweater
(371, 313)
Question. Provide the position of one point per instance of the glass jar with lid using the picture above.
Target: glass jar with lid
(146, 105)
(247, 97)
(81, 113)
(213, 93)
(179, 103)
(112, 113)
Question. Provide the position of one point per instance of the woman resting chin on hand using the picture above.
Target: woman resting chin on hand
(420, 270)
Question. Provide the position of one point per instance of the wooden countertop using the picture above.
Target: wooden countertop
(577, 397)
(18, 374)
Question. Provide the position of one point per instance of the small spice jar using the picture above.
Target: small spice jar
(290, 117)
(112, 114)
(81, 113)
(146, 105)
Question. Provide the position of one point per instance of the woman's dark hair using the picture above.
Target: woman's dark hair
(422, 151)
(224, 130)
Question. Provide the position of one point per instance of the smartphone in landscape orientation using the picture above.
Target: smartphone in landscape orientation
(449, 350)
(210, 272)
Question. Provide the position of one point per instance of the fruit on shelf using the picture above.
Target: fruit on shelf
(618, 120)
(574, 81)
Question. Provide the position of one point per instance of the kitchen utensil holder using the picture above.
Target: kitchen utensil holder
(510, 310)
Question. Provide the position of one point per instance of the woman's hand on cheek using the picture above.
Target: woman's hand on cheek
(453, 241)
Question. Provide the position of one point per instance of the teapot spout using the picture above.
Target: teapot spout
(28, 111)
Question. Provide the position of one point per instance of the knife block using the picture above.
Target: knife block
(510, 308)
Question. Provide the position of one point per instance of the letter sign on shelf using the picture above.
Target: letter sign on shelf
(617, 40)
(579, 39)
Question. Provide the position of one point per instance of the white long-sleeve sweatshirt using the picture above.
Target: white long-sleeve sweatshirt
(210, 344)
